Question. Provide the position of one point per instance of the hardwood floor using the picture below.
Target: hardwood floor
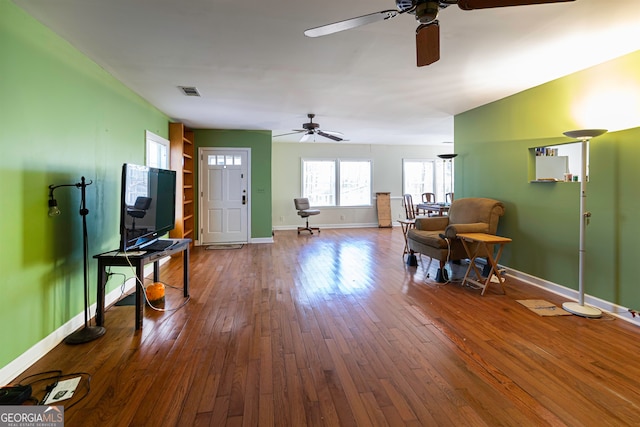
(334, 329)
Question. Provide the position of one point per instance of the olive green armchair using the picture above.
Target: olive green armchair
(466, 215)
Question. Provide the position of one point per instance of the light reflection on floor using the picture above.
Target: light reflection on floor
(337, 267)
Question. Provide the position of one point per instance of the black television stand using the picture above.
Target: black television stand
(138, 261)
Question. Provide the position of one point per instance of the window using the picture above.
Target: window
(334, 182)
(355, 183)
(419, 177)
(224, 160)
(157, 151)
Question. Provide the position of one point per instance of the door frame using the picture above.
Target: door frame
(201, 171)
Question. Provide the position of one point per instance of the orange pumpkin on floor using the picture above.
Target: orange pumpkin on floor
(155, 294)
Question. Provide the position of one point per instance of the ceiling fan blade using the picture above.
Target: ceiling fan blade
(486, 4)
(351, 23)
(428, 44)
(306, 137)
(289, 133)
(330, 136)
(334, 133)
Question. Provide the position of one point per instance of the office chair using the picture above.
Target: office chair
(139, 209)
(303, 208)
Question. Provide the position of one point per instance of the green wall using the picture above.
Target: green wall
(493, 143)
(63, 117)
(260, 144)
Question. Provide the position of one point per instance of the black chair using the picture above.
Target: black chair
(139, 209)
(303, 207)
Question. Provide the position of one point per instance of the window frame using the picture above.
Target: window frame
(337, 180)
(417, 198)
(150, 139)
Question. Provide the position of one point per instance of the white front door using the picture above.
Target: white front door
(224, 201)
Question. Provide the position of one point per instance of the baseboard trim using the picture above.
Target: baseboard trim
(616, 310)
(326, 226)
(261, 240)
(17, 366)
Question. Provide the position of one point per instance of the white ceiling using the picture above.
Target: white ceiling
(256, 70)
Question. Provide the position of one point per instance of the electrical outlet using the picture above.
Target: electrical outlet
(281, 219)
(341, 217)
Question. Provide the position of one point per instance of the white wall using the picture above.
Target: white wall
(573, 151)
(387, 177)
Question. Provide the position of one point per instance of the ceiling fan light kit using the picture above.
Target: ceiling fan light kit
(426, 13)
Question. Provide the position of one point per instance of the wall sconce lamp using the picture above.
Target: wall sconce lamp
(88, 332)
(572, 307)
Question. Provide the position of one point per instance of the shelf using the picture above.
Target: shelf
(181, 142)
(537, 181)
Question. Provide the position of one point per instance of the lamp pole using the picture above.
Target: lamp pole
(579, 308)
(88, 333)
(446, 157)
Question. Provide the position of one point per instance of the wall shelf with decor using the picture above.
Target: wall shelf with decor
(544, 180)
(555, 163)
(181, 141)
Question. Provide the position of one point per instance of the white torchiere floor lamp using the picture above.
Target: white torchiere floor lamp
(578, 308)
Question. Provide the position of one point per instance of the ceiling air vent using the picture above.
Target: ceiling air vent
(189, 90)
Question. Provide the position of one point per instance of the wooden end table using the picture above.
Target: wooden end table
(483, 249)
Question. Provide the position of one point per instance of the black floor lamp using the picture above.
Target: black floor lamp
(88, 333)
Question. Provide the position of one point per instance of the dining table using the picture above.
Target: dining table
(438, 208)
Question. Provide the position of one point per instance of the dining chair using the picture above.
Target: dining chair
(407, 202)
(448, 198)
(426, 198)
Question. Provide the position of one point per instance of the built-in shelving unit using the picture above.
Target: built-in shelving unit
(182, 161)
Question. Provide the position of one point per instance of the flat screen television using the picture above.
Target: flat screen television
(147, 205)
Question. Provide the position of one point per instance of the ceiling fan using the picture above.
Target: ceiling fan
(426, 12)
(311, 129)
